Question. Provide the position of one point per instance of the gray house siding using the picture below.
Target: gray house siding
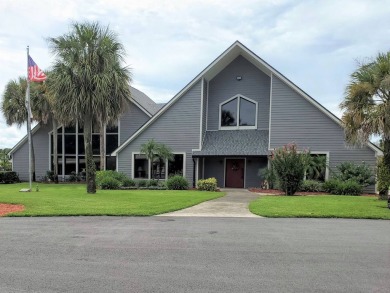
(130, 121)
(294, 119)
(178, 127)
(252, 176)
(215, 167)
(255, 85)
(41, 150)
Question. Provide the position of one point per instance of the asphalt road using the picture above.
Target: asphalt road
(164, 254)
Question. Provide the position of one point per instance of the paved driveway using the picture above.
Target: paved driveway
(185, 254)
(233, 204)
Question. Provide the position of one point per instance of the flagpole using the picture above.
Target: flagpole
(29, 125)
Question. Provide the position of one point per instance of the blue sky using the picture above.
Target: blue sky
(316, 44)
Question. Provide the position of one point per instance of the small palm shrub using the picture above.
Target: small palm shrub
(311, 186)
(109, 183)
(209, 184)
(177, 183)
(289, 166)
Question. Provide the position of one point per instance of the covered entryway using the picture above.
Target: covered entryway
(235, 173)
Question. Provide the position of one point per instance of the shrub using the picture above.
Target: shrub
(109, 183)
(142, 183)
(311, 186)
(209, 184)
(331, 185)
(128, 182)
(349, 187)
(177, 183)
(152, 182)
(289, 167)
(102, 175)
(361, 173)
(73, 177)
(9, 177)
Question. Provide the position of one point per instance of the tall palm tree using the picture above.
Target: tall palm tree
(14, 108)
(89, 81)
(367, 105)
(44, 105)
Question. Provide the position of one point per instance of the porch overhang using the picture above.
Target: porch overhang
(234, 143)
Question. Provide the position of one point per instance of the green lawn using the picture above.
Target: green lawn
(72, 200)
(324, 206)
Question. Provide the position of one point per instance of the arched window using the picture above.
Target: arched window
(238, 112)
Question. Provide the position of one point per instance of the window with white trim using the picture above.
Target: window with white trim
(238, 112)
(143, 169)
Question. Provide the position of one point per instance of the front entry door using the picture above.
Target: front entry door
(235, 169)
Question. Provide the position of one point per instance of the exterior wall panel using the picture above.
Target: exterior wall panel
(177, 128)
(215, 167)
(131, 120)
(294, 119)
(41, 150)
(255, 85)
(252, 176)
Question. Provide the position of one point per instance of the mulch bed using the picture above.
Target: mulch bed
(10, 208)
(278, 192)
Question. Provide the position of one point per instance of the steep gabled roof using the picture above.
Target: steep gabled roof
(143, 102)
(217, 66)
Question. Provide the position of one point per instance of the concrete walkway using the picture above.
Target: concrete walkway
(233, 204)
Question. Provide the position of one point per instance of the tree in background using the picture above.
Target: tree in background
(14, 109)
(89, 82)
(367, 107)
(5, 164)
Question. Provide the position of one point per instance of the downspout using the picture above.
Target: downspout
(193, 173)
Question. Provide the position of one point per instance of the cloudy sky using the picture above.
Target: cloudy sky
(314, 43)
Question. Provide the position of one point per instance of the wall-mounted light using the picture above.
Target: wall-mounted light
(239, 77)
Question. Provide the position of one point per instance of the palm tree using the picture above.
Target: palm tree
(157, 153)
(14, 108)
(89, 81)
(44, 105)
(367, 105)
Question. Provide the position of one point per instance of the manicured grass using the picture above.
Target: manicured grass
(324, 206)
(72, 200)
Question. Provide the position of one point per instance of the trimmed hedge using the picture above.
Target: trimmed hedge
(9, 177)
(209, 184)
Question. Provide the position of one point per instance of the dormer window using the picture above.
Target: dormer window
(238, 112)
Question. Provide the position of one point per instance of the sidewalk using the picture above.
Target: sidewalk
(234, 204)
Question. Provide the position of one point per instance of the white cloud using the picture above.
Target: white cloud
(314, 43)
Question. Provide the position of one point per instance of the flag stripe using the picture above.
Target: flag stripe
(34, 73)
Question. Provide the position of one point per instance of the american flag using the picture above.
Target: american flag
(34, 73)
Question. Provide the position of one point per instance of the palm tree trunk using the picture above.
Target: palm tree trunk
(102, 147)
(89, 162)
(55, 150)
(383, 194)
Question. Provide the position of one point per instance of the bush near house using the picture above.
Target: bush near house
(209, 184)
(177, 183)
(311, 186)
(349, 187)
(109, 183)
(9, 177)
(289, 166)
(104, 179)
(360, 173)
(383, 175)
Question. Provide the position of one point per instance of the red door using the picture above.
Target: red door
(235, 169)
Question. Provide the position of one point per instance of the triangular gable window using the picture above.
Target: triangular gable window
(238, 112)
